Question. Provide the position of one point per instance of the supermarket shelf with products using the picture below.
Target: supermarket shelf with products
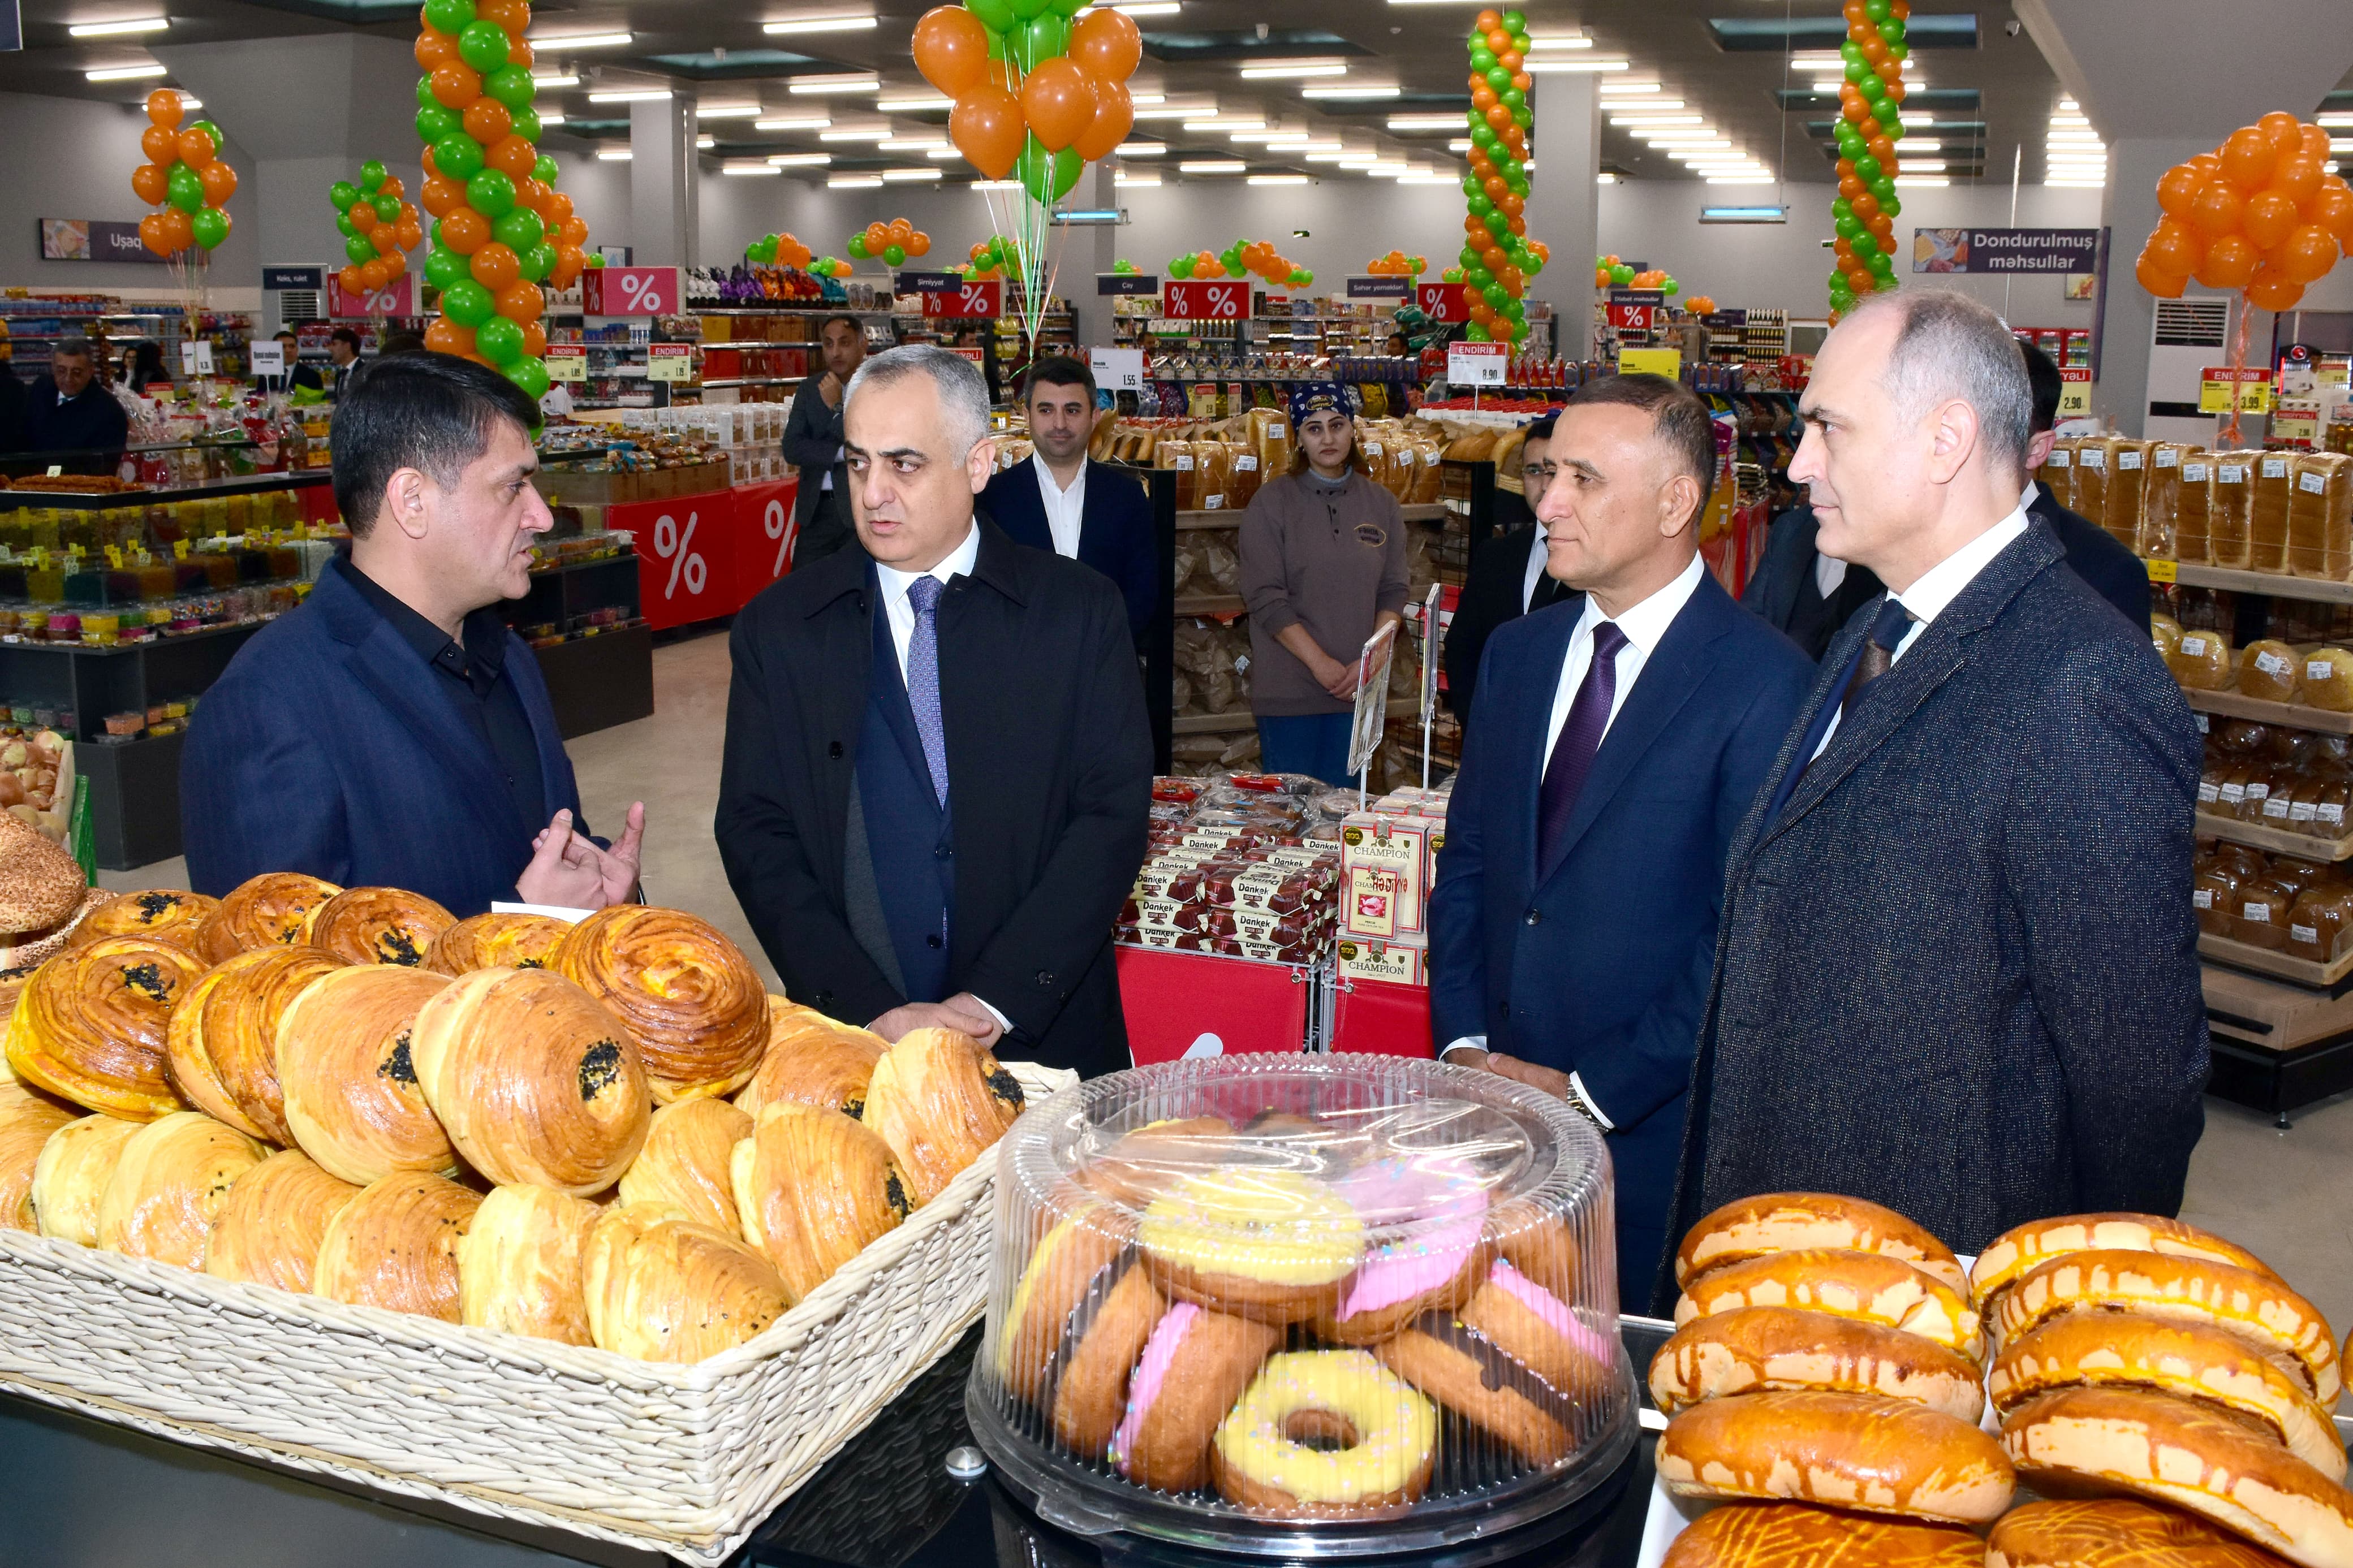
(2274, 840)
(2279, 965)
(31, 322)
(2263, 711)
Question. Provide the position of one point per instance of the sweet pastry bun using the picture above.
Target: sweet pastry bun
(812, 1060)
(170, 1184)
(1792, 1535)
(2189, 1361)
(939, 1100)
(395, 1246)
(379, 925)
(2113, 1532)
(519, 1265)
(1757, 1349)
(25, 1124)
(534, 1081)
(275, 907)
(269, 1230)
(661, 1288)
(90, 1025)
(221, 1044)
(1194, 1366)
(2029, 1245)
(41, 886)
(348, 1074)
(2252, 1307)
(1857, 1451)
(1326, 1435)
(2080, 1442)
(159, 914)
(2270, 669)
(692, 999)
(69, 1176)
(688, 1162)
(1256, 1242)
(1868, 1285)
(495, 941)
(811, 1188)
(1789, 1222)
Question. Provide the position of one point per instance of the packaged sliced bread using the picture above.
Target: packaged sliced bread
(2057, 473)
(2191, 496)
(2320, 516)
(1428, 460)
(1270, 431)
(2094, 458)
(2161, 501)
(2226, 508)
(1211, 465)
(1243, 475)
(1178, 455)
(2267, 497)
(2128, 477)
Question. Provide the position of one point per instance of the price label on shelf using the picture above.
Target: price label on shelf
(1117, 370)
(630, 291)
(670, 362)
(1476, 364)
(972, 300)
(567, 362)
(1444, 301)
(2217, 384)
(2075, 394)
(1206, 300)
(1668, 362)
(2160, 570)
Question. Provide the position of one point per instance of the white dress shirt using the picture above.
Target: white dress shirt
(1539, 554)
(1828, 573)
(1065, 509)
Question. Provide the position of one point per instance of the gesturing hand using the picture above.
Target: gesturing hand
(569, 869)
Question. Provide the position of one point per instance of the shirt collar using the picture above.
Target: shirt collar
(1646, 624)
(1046, 476)
(959, 564)
(2026, 497)
(1942, 583)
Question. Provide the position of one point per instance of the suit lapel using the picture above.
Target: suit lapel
(380, 661)
(1527, 728)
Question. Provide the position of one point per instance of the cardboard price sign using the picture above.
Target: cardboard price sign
(630, 291)
(1444, 301)
(1476, 364)
(670, 362)
(1200, 300)
(2075, 394)
(567, 362)
(2217, 384)
(1117, 370)
(968, 302)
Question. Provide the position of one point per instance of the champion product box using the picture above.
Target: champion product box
(1386, 863)
(1370, 958)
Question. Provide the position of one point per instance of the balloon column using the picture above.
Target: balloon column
(1398, 264)
(891, 243)
(1255, 257)
(1497, 256)
(1036, 96)
(777, 250)
(378, 224)
(1870, 124)
(186, 177)
(2260, 214)
(501, 228)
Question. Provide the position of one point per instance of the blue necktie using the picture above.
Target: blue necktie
(1871, 659)
(924, 680)
(1580, 740)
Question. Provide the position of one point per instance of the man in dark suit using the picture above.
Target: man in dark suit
(1957, 968)
(1621, 737)
(1807, 595)
(1055, 500)
(813, 443)
(392, 731)
(2096, 555)
(937, 770)
(73, 415)
(1508, 579)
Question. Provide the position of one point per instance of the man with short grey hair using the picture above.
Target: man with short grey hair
(75, 418)
(1956, 972)
(937, 773)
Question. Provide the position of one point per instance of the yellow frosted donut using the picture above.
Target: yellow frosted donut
(1269, 1245)
(1330, 1434)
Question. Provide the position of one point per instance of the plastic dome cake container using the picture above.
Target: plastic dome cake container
(1301, 1306)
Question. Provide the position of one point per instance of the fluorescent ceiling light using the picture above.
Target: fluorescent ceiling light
(2075, 139)
(1818, 60)
(943, 153)
(798, 160)
(1605, 178)
(1538, 68)
(912, 143)
(1919, 180)
(1425, 180)
(1325, 158)
(551, 117)
(1645, 106)
(811, 84)
(852, 183)
(124, 73)
(1658, 119)
(1433, 2)
(1125, 178)
(1228, 124)
(903, 176)
(1211, 166)
(1921, 144)
(1563, 41)
(1142, 149)
(1147, 97)
(987, 184)
(1140, 7)
(1278, 179)
(2333, 120)
(915, 105)
(1274, 69)
(747, 169)
(792, 122)
(1297, 140)
(727, 111)
(1628, 88)
(189, 99)
(1919, 165)
(586, 41)
(613, 156)
(2070, 182)
(1426, 122)
(1744, 215)
(1351, 91)
(818, 25)
(1761, 177)
(873, 134)
(118, 29)
(1685, 139)
(704, 143)
(1164, 112)
(557, 78)
(631, 95)
(2070, 120)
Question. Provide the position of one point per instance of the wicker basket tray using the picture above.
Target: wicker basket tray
(683, 1459)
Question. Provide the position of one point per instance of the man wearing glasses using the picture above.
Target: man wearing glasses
(1508, 579)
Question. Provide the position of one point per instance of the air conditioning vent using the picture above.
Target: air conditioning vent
(300, 305)
(2192, 323)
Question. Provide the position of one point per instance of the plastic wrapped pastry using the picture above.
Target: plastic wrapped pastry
(661, 1288)
(518, 1267)
(349, 1077)
(169, 1184)
(813, 1188)
(271, 1229)
(161, 914)
(90, 1026)
(71, 1173)
(222, 1042)
(694, 1002)
(379, 925)
(275, 907)
(395, 1246)
(939, 1100)
(812, 1060)
(491, 940)
(25, 1125)
(535, 1080)
(686, 1162)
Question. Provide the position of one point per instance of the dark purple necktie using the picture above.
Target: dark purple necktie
(1580, 738)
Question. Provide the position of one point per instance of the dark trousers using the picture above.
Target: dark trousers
(828, 527)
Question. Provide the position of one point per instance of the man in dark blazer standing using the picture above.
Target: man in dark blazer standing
(1804, 594)
(1055, 500)
(74, 416)
(2095, 555)
(813, 443)
(392, 731)
(1619, 739)
(1957, 968)
(1508, 579)
(937, 771)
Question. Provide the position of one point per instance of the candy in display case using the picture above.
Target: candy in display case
(1285, 1306)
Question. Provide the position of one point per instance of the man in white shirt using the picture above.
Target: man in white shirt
(813, 442)
(1508, 580)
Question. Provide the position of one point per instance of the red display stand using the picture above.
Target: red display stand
(704, 556)
(1205, 1005)
(1382, 1019)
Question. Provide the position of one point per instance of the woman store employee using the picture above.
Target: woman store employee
(1323, 569)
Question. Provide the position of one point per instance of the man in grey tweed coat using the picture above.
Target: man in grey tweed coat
(1956, 972)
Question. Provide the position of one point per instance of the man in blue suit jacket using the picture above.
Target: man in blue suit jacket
(392, 731)
(1617, 740)
(1055, 500)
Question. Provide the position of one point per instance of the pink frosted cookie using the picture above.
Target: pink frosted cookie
(1516, 1361)
(1434, 1267)
(1194, 1367)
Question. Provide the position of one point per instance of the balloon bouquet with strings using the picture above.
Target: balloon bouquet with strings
(1498, 259)
(379, 224)
(185, 176)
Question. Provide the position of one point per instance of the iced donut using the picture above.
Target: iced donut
(1078, 1318)
(1194, 1367)
(1434, 1268)
(1260, 1243)
(1516, 1361)
(1326, 1435)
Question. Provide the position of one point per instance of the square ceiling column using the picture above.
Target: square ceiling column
(1565, 201)
(665, 206)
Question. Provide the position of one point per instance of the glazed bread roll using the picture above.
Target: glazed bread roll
(1863, 1285)
(2329, 679)
(1786, 1222)
(694, 1002)
(939, 1100)
(169, 1185)
(69, 1176)
(2101, 1440)
(271, 1228)
(519, 1264)
(661, 1288)
(272, 907)
(812, 1060)
(2270, 669)
(1784, 1347)
(2189, 1361)
(379, 925)
(2249, 1306)
(395, 1246)
(25, 1125)
(165, 914)
(221, 1045)
(495, 941)
(1791, 1535)
(2113, 1532)
(2200, 661)
(1847, 1451)
(90, 1026)
(349, 1076)
(813, 1187)
(2015, 1251)
(688, 1162)
(534, 1081)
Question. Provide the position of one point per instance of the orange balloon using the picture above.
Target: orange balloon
(574, 230)
(2282, 130)
(2332, 209)
(951, 48)
(441, 195)
(177, 234)
(2268, 291)
(2306, 254)
(362, 217)
(2248, 158)
(559, 208)
(151, 233)
(350, 279)
(520, 52)
(219, 182)
(392, 186)
(534, 339)
(2156, 280)
(385, 236)
(918, 243)
(2217, 209)
(877, 235)
(150, 183)
(514, 15)
(434, 47)
(1483, 98)
(521, 302)
(987, 128)
(2178, 189)
(2208, 164)
(1058, 99)
(394, 264)
(509, 154)
(446, 337)
(455, 84)
(495, 266)
(2297, 178)
(486, 119)
(1114, 116)
(163, 107)
(411, 235)
(431, 168)
(465, 231)
(1107, 43)
(2269, 218)
(2312, 142)
(899, 232)
(160, 145)
(530, 192)
(2175, 248)
(571, 260)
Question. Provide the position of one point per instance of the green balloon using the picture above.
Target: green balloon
(1495, 295)
(1067, 8)
(1867, 168)
(1872, 88)
(1482, 59)
(359, 250)
(1471, 185)
(530, 374)
(1850, 140)
(1025, 9)
(597, 260)
(511, 85)
(1041, 38)
(1897, 49)
(1498, 78)
(491, 193)
(539, 260)
(1515, 21)
(1669, 286)
(1524, 117)
(996, 40)
(1522, 44)
(443, 268)
(1857, 69)
(1847, 227)
(483, 46)
(467, 303)
(1479, 204)
(1889, 205)
(1047, 175)
(1533, 265)
(183, 189)
(1512, 98)
(858, 248)
(210, 226)
(343, 192)
(449, 16)
(546, 170)
(1299, 278)
(424, 98)
(372, 174)
(457, 156)
(1622, 274)
(1180, 267)
(1892, 31)
(344, 226)
(387, 208)
(1452, 274)
(1878, 10)
(519, 230)
(895, 254)
(1475, 334)
(1887, 112)
(1468, 256)
(1851, 53)
(220, 137)
(1477, 277)
(1497, 224)
(526, 123)
(434, 123)
(1865, 246)
(500, 341)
